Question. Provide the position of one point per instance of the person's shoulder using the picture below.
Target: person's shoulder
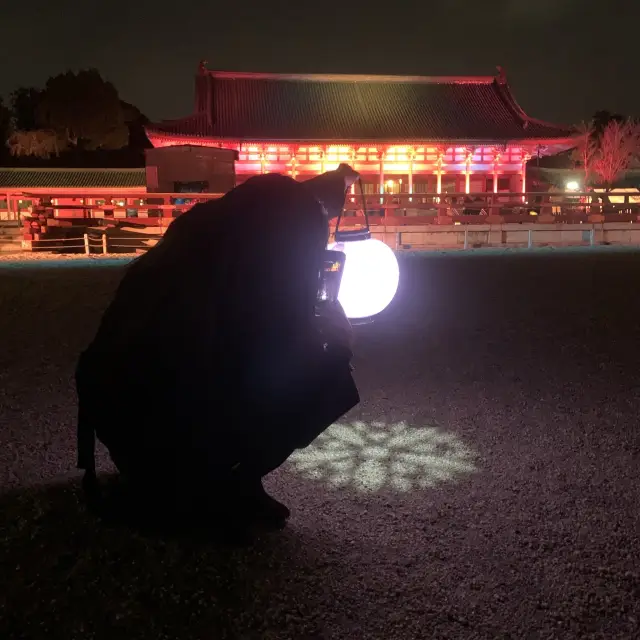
(269, 179)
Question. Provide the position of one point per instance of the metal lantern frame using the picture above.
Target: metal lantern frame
(355, 235)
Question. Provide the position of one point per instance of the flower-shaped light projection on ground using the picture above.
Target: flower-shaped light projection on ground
(375, 456)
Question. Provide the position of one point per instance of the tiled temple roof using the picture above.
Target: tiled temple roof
(347, 108)
(19, 178)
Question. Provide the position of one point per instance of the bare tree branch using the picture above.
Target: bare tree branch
(41, 143)
(586, 149)
(619, 146)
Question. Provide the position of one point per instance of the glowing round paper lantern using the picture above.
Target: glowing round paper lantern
(370, 277)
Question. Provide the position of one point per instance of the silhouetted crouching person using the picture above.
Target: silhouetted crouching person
(210, 366)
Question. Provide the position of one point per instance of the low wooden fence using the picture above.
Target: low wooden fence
(399, 238)
(132, 222)
(158, 209)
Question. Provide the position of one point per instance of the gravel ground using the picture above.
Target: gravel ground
(487, 486)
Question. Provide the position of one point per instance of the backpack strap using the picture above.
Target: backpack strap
(86, 444)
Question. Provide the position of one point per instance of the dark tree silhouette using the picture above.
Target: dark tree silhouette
(24, 102)
(27, 138)
(135, 121)
(5, 127)
(84, 110)
(79, 120)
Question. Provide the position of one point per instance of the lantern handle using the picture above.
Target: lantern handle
(356, 234)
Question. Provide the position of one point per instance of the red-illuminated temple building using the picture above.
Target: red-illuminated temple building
(403, 134)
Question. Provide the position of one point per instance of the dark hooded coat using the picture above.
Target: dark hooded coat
(208, 357)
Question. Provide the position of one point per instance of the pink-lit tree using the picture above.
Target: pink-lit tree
(617, 149)
(586, 149)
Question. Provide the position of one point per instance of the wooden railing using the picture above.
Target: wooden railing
(158, 209)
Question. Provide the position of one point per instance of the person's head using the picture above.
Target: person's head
(258, 250)
(273, 210)
(263, 212)
(263, 244)
(330, 188)
(280, 233)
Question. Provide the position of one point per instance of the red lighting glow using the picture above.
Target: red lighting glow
(415, 164)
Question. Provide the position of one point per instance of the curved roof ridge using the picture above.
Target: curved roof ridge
(545, 123)
(192, 116)
(349, 77)
(506, 93)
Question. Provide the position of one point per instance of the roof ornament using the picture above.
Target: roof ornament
(501, 78)
(202, 67)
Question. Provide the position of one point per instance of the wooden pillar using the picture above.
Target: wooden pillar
(263, 161)
(467, 170)
(523, 172)
(294, 163)
(439, 172)
(352, 160)
(410, 183)
(323, 159)
(381, 185)
(497, 157)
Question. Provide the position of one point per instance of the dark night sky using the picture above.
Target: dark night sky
(565, 59)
